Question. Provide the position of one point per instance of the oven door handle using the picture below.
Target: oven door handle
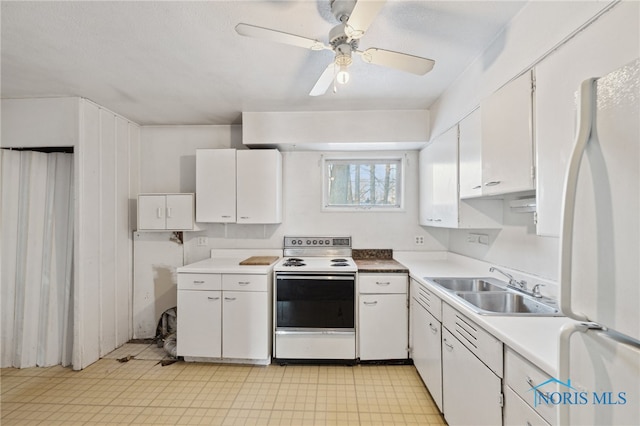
(315, 277)
(350, 331)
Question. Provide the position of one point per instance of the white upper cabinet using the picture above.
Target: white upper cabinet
(471, 156)
(593, 52)
(259, 186)
(507, 142)
(440, 204)
(216, 185)
(165, 212)
(239, 186)
(439, 181)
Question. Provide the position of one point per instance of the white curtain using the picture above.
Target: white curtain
(37, 259)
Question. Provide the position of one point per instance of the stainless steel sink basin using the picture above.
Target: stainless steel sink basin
(506, 303)
(469, 284)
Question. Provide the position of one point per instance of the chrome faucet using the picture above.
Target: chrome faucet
(519, 285)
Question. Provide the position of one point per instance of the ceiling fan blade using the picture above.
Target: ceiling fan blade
(363, 14)
(280, 37)
(324, 82)
(397, 60)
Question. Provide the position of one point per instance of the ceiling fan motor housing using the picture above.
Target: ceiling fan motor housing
(337, 37)
(342, 9)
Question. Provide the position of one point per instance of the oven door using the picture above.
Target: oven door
(319, 302)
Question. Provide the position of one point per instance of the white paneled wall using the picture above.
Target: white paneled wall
(106, 162)
(103, 298)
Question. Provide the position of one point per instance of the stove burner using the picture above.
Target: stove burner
(339, 260)
(293, 261)
(339, 264)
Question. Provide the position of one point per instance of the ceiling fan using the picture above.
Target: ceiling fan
(355, 17)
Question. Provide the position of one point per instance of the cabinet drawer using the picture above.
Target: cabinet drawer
(483, 345)
(518, 413)
(427, 299)
(188, 281)
(382, 283)
(521, 376)
(244, 282)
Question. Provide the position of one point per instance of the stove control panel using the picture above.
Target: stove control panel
(312, 242)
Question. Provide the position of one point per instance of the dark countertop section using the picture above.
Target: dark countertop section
(379, 261)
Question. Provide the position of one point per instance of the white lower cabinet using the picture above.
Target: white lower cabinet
(426, 350)
(518, 413)
(520, 377)
(471, 372)
(383, 316)
(224, 316)
(245, 333)
(199, 315)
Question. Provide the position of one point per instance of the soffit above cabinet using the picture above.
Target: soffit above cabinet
(336, 130)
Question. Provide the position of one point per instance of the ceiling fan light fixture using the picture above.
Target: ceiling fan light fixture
(342, 77)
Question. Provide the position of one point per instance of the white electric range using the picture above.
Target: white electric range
(315, 301)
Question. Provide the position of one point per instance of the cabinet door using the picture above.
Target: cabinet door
(259, 186)
(245, 325)
(471, 393)
(199, 327)
(151, 212)
(470, 146)
(383, 326)
(179, 211)
(426, 350)
(507, 143)
(439, 181)
(216, 185)
(593, 52)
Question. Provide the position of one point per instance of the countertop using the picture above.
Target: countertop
(225, 265)
(535, 338)
(380, 266)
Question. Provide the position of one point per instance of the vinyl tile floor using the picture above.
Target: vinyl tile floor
(141, 391)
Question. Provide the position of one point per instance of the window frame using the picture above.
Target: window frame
(399, 159)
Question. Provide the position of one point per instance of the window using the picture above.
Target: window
(363, 183)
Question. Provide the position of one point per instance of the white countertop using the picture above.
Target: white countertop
(225, 265)
(535, 338)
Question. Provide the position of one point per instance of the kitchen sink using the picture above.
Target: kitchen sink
(506, 303)
(469, 284)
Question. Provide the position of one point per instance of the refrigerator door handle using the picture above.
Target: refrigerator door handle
(564, 360)
(586, 132)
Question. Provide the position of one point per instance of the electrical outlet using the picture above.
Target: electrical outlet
(203, 241)
(419, 240)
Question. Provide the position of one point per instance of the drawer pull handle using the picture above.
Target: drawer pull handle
(383, 282)
(159, 212)
(213, 298)
(226, 216)
(434, 330)
(530, 382)
(492, 183)
(477, 187)
(244, 282)
(450, 347)
(437, 220)
(198, 282)
(375, 302)
(169, 213)
(230, 298)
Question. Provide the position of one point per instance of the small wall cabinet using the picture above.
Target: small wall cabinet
(507, 138)
(165, 212)
(440, 204)
(383, 316)
(239, 186)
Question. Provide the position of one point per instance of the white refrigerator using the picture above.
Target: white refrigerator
(599, 358)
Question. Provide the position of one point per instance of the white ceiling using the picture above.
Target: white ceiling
(158, 62)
